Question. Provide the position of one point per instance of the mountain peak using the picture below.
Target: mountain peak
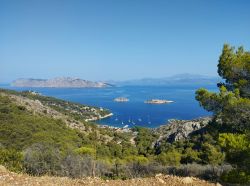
(62, 82)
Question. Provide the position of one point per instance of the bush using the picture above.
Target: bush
(190, 156)
(42, 159)
(141, 160)
(76, 166)
(236, 176)
(134, 170)
(86, 151)
(212, 154)
(11, 159)
(208, 172)
(170, 158)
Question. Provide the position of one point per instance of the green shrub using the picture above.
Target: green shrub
(190, 156)
(212, 154)
(86, 151)
(170, 158)
(11, 159)
(236, 176)
(141, 160)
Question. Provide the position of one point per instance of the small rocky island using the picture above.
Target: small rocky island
(158, 101)
(60, 82)
(121, 99)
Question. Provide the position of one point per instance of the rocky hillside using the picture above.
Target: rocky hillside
(66, 82)
(9, 178)
(180, 129)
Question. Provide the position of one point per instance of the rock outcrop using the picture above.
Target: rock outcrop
(62, 82)
(180, 129)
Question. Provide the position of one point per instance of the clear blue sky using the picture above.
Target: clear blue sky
(117, 39)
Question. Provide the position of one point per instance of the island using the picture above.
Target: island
(158, 101)
(59, 82)
(121, 99)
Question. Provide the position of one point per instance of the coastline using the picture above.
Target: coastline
(99, 118)
(171, 124)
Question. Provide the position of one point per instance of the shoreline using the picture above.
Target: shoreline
(106, 116)
(168, 122)
(101, 117)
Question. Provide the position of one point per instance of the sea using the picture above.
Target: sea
(134, 112)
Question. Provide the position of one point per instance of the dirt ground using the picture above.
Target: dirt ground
(9, 179)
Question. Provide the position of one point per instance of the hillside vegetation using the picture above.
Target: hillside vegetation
(46, 136)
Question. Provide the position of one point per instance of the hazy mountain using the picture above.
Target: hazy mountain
(180, 79)
(58, 82)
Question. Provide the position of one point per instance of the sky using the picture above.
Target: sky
(117, 39)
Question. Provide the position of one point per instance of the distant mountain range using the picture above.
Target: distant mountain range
(69, 82)
(176, 80)
(66, 82)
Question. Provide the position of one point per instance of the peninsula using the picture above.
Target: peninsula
(60, 82)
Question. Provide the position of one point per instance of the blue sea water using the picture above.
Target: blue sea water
(135, 112)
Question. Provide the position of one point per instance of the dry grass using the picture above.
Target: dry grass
(9, 179)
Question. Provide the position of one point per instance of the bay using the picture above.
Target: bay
(135, 112)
